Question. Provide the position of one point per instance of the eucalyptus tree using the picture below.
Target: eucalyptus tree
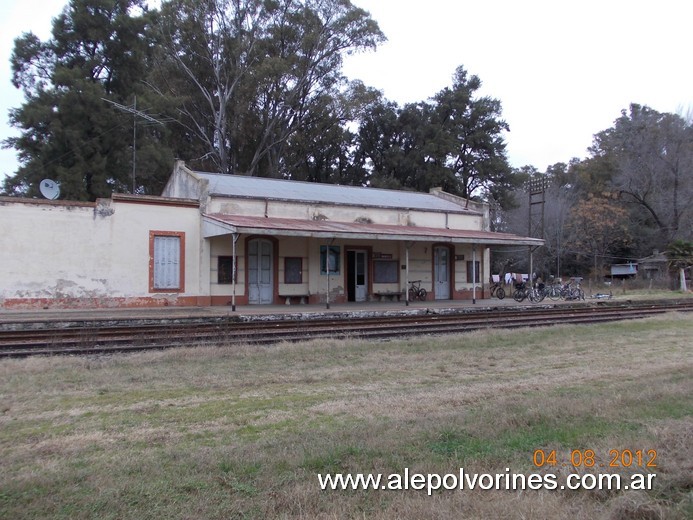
(324, 148)
(97, 51)
(250, 74)
(394, 144)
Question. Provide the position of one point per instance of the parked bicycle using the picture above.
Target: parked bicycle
(572, 292)
(521, 292)
(497, 291)
(553, 291)
(535, 294)
(416, 292)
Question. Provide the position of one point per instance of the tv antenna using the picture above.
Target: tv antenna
(49, 189)
(136, 113)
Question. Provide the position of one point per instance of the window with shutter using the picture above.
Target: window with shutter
(166, 264)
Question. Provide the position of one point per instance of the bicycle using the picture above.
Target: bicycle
(521, 292)
(497, 291)
(554, 291)
(416, 292)
(534, 294)
(576, 293)
(537, 293)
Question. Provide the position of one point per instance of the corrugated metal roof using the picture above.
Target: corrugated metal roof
(329, 229)
(277, 189)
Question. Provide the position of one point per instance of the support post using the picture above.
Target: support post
(407, 245)
(233, 272)
(406, 276)
(473, 274)
(531, 266)
(327, 268)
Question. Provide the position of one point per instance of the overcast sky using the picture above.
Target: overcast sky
(562, 70)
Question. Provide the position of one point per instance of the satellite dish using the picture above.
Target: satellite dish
(49, 189)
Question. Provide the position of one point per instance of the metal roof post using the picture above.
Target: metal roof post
(473, 274)
(327, 268)
(406, 275)
(233, 271)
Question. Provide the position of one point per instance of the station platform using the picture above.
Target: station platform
(250, 312)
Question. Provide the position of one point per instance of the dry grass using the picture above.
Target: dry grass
(638, 293)
(211, 432)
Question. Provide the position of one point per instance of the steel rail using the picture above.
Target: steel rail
(93, 338)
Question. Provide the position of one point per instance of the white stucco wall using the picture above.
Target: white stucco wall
(53, 251)
(67, 253)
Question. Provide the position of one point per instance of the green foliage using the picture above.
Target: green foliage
(647, 157)
(680, 254)
(642, 165)
(247, 86)
(472, 136)
(69, 133)
(258, 80)
(454, 142)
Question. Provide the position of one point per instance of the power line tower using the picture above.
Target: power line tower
(536, 188)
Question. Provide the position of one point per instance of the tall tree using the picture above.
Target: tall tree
(455, 142)
(208, 48)
(651, 155)
(258, 69)
(598, 229)
(69, 133)
(323, 149)
(395, 143)
(680, 254)
(471, 139)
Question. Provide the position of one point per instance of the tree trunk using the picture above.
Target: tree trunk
(682, 276)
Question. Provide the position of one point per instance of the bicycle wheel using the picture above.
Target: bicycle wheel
(422, 294)
(500, 293)
(413, 294)
(554, 293)
(519, 295)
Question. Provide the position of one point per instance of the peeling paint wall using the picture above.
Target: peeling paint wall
(64, 254)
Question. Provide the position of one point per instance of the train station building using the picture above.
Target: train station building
(213, 239)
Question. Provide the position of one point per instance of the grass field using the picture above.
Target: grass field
(235, 432)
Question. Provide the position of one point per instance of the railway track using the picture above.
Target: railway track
(101, 337)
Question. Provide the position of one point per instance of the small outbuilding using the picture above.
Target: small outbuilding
(655, 266)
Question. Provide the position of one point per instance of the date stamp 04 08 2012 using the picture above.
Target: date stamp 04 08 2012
(588, 459)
